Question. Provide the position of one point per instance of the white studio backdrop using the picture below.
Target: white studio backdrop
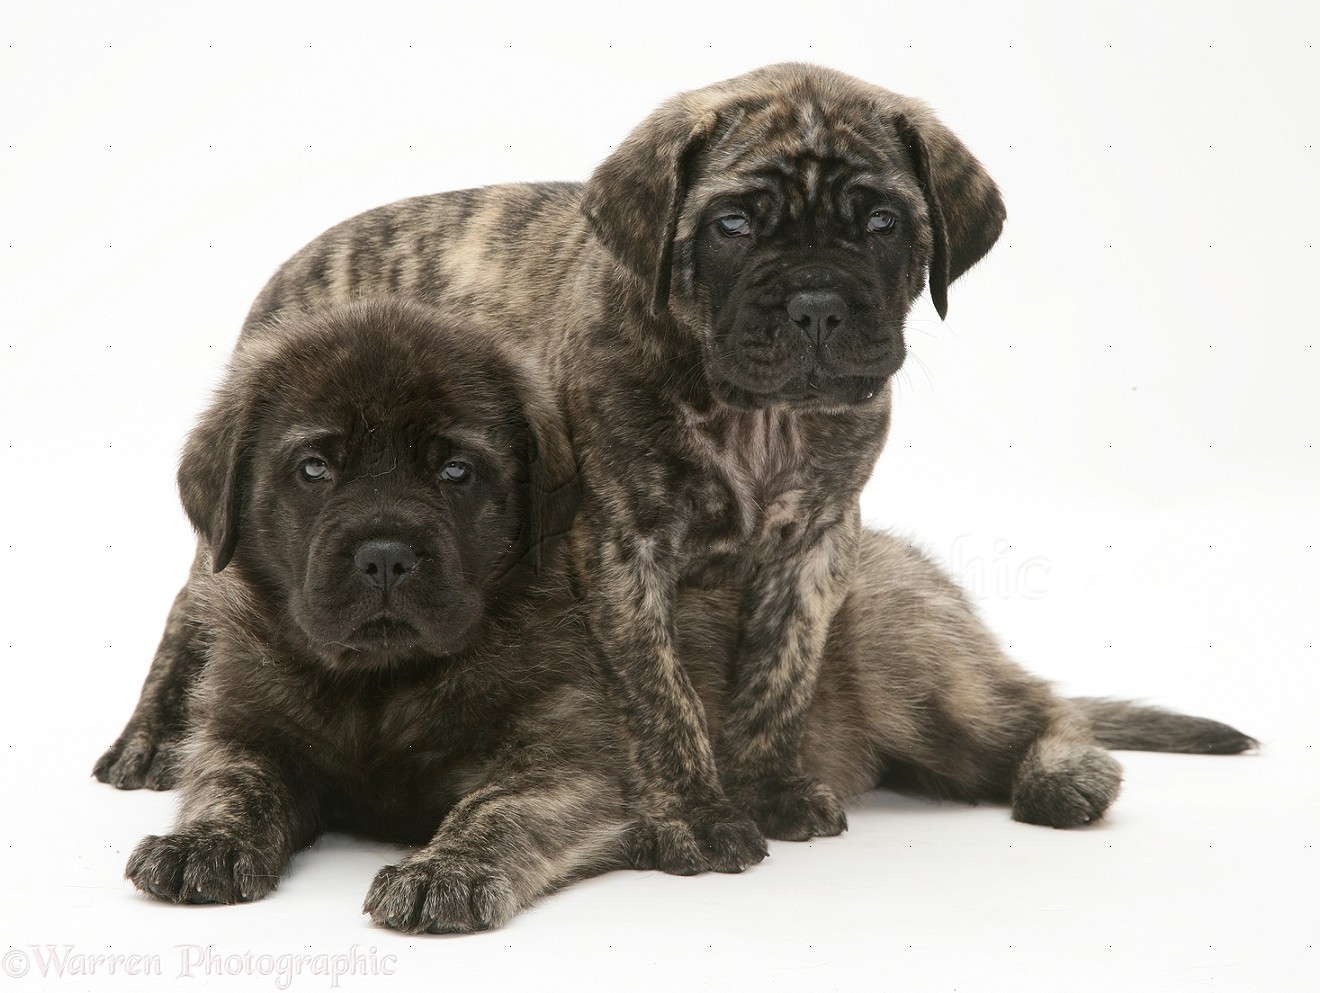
(1110, 441)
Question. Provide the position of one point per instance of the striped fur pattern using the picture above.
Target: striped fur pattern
(719, 310)
(722, 437)
(478, 727)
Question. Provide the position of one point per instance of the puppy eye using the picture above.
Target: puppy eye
(314, 469)
(882, 221)
(734, 225)
(455, 471)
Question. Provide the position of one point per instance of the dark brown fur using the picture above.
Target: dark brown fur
(455, 704)
(722, 438)
(463, 708)
(727, 397)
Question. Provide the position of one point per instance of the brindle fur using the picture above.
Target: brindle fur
(460, 708)
(719, 443)
(722, 440)
(475, 724)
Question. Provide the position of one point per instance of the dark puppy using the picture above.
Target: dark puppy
(394, 649)
(389, 650)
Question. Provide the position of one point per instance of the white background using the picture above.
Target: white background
(1111, 440)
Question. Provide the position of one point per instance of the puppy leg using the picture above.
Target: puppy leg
(243, 817)
(916, 694)
(786, 615)
(1065, 778)
(147, 751)
(541, 814)
(685, 823)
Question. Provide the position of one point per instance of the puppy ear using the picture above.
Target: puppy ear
(551, 486)
(212, 474)
(966, 210)
(633, 199)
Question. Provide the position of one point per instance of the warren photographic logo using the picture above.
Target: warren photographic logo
(68, 962)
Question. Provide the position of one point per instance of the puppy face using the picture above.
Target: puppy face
(372, 471)
(788, 219)
(802, 260)
(386, 520)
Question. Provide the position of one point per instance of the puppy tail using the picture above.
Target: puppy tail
(1125, 725)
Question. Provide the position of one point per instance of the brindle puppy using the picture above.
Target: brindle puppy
(389, 650)
(721, 308)
(394, 647)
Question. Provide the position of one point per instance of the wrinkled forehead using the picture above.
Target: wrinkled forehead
(389, 406)
(399, 440)
(803, 150)
(805, 124)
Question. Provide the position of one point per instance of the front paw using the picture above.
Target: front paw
(441, 894)
(795, 809)
(201, 866)
(141, 757)
(714, 839)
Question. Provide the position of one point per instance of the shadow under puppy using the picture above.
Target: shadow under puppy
(394, 646)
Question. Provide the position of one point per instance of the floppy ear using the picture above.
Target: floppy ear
(634, 198)
(550, 485)
(966, 211)
(213, 471)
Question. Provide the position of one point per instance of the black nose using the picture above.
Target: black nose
(385, 564)
(818, 313)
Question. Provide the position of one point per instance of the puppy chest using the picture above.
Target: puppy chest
(751, 494)
(396, 803)
(735, 516)
(400, 793)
